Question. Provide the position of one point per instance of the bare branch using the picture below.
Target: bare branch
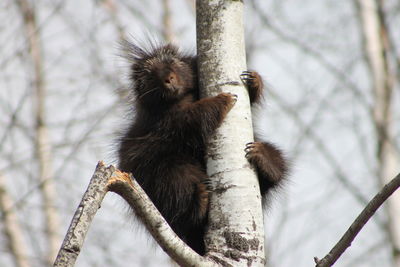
(359, 223)
(107, 179)
(130, 190)
(84, 215)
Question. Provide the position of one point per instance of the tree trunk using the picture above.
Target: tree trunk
(376, 48)
(12, 228)
(167, 29)
(42, 146)
(236, 230)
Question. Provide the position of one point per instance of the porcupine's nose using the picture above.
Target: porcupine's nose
(170, 79)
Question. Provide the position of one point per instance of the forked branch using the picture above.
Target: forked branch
(107, 179)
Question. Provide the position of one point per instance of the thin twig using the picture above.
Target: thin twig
(359, 223)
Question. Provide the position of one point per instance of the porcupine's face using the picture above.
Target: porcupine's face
(163, 75)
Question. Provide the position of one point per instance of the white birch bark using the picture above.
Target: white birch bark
(236, 232)
(42, 146)
(388, 158)
(12, 228)
(84, 214)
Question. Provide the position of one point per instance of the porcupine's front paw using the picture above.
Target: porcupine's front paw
(254, 84)
(269, 162)
(229, 98)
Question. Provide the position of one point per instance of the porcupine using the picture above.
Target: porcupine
(164, 146)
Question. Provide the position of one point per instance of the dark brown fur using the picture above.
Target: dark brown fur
(164, 146)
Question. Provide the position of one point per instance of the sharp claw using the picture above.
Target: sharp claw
(249, 148)
(234, 96)
(248, 75)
